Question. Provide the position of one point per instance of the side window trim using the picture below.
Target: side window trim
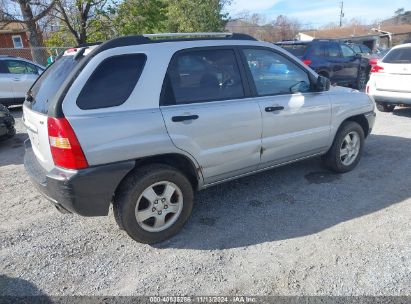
(247, 90)
(250, 78)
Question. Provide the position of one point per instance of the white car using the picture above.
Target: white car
(16, 76)
(390, 79)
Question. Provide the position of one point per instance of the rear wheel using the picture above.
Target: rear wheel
(154, 203)
(346, 150)
(385, 107)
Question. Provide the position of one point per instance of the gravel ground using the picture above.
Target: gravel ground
(295, 230)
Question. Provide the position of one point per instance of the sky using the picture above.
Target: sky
(320, 12)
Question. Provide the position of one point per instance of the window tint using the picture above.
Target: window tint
(47, 85)
(332, 50)
(20, 67)
(3, 67)
(402, 55)
(347, 51)
(356, 48)
(112, 82)
(318, 50)
(274, 74)
(202, 75)
(295, 49)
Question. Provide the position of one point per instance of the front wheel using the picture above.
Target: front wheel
(346, 150)
(385, 107)
(154, 203)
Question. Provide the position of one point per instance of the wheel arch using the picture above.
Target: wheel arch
(179, 161)
(361, 120)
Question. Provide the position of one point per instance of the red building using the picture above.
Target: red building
(14, 41)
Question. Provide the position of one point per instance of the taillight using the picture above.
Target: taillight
(307, 61)
(65, 148)
(373, 61)
(377, 69)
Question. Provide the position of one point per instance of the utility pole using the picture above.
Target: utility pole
(341, 13)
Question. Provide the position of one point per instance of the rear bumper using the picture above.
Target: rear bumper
(87, 192)
(390, 97)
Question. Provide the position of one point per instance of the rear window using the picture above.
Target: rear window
(402, 55)
(47, 85)
(297, 50)
(112, 82)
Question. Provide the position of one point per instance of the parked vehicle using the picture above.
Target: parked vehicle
(143, 123)
(332, 59)
(16, 76)
(7, 129)
(390, 79)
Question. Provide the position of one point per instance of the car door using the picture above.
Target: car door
(296, 120)
(23, 75)
(208, 114)
(351, 63)
(336, 62)
(6, 84)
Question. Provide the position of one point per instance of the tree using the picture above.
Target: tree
(399, 11)
(85, 20)
(196, 15)
(30, 18)
(140, 16)
(398, 14)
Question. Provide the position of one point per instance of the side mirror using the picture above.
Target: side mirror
(358, 56)
(323, 84)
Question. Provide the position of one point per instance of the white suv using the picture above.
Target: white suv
(17, 75)
(142, 123)
(390, 80)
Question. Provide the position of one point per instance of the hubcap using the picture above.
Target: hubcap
(159, 206)
(350, 147)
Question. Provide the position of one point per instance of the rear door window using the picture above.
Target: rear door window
(3, 67)
(402, 55)
(332, 50)
(347, 51)
(317, 50)
(297, 50)
(112, 83)
(201, 76)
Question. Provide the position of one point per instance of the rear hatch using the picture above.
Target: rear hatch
(394, 73)
(41, 97)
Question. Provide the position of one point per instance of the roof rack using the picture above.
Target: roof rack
(198, 35)
(145, 39)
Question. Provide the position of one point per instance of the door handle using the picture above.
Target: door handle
(273, 109)
(184, 118)
(16, 79)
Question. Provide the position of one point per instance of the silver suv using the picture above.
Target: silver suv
(142, 122)
(17, 75)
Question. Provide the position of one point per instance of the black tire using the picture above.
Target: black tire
(131, 189)
(12, 132)
(385, 107)
(333, 159)
(361, 79)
